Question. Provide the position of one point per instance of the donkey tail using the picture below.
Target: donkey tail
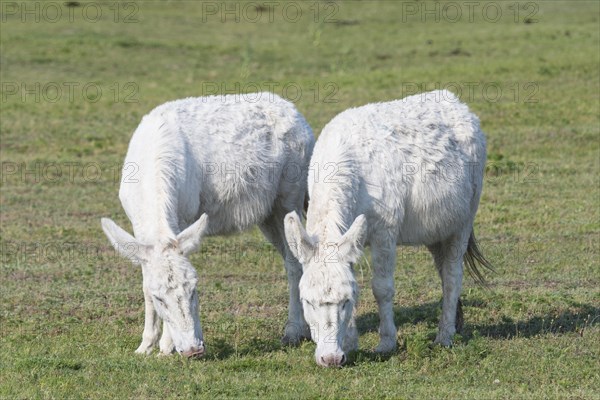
(472, 257)
(305, 206)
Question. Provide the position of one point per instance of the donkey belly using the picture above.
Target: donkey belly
(435, 214)
(417, 212)
(424, 230)
(235, 201)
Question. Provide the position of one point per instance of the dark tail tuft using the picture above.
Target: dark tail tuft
(472, 257)
(305, 208)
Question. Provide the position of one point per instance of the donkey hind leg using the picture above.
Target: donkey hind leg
(296, 328)
(151, 326)
(435, 250)
(448, 257)
(384, 263)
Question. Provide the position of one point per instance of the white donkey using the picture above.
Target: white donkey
(208, 166)
(405, 172)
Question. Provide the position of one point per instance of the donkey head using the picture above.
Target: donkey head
(328, 289)
(169, 279)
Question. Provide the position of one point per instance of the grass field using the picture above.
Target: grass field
(76, 81)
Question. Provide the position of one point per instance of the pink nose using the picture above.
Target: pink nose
(333, 360)
(194, 352)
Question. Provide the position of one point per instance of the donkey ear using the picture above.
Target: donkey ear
(350, 245)
(124, 243)
(189, 240)
(301, 245)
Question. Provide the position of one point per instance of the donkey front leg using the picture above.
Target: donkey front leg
(383, 255)
(151, 326)
(296, 327)
(166, 345)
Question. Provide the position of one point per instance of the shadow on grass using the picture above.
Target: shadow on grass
(360, 356)
(565, 322)
(221, 349)
(577, 320)
(428, 312)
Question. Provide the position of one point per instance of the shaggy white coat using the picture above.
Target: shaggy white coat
(208, 166)
(406, 172)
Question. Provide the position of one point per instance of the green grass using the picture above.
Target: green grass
(71, 311)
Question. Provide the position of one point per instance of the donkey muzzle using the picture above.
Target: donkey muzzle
(194, 352)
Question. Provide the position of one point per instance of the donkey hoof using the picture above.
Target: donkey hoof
(445, 342)
(294, 334)
(291, 340)
(386, 346)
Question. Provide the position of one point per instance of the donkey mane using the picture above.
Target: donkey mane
(333, 203)
(164, 144)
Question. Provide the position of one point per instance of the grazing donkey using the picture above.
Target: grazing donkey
(208, 166)
(405, 172)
